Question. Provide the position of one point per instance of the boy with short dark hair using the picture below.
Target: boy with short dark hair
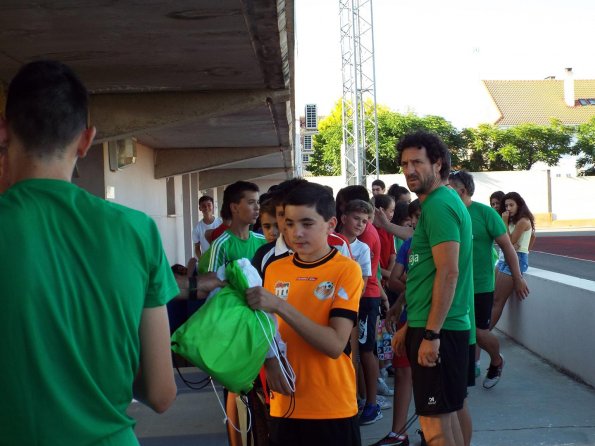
(282, 247)
(268, 221)
(354, 220)
(315, 294)
(91, 332)
(209, 221)
(240, 201)
(378, 187)
(369, 308)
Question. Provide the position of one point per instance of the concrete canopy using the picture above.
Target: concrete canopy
(208, 85)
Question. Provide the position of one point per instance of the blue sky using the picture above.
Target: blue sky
(431, 55)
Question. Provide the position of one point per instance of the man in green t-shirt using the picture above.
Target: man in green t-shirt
(487, 228)
(83, 282)
(439, 290)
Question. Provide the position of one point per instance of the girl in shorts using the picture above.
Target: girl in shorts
(521, 229)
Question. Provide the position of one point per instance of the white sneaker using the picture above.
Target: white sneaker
(493, 375)
(383, 402)
(383, 388)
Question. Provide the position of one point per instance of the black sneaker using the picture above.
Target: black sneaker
(393, 440)
(493, 375)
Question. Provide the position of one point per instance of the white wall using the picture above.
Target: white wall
(572, 197)
(135, 187)
(555, 321)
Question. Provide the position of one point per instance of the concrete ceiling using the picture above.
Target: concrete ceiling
(187, 78)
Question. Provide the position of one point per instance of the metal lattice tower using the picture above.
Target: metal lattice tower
(359, 152)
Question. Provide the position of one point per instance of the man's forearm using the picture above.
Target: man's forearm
(403, 232)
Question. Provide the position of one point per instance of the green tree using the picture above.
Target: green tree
(526, 144)
(483, 146)
(584, 147)
(326, 159)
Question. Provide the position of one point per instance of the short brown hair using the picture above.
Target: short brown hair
(359, 206)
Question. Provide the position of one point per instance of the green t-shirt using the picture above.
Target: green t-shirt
(487, 226)
(76, 273)
(229, 247)
(444, 218)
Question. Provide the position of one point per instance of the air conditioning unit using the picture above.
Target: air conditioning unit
(122, 153)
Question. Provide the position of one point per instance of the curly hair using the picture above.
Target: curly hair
(435, 149)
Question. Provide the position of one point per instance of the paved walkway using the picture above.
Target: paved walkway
(534, 404)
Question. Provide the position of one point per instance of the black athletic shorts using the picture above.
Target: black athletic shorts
(299, 432)
(471, 366)
(369, 310)
(443, 388)
(483, 309)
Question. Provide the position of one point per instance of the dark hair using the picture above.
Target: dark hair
(234, 194)
(46, 107)
(401, 213)
(280, 192)
(329, 189)
(435, 149)
(465, 179)
(397, 191)
(313, 195)
(355, 192)
(380, 183)
(204, 198)
(348, 193)
(383, 201)
(498, 195)
(267, 206)
(414, 206)
(359, 206)
(522, 212)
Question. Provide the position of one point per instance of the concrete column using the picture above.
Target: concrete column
(194, 196)
(187, 226)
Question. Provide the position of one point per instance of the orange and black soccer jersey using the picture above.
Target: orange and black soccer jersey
(329, 287)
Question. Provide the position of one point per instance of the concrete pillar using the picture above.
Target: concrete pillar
(187, 226)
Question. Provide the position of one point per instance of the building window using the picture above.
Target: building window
(311, 116)
(307, 142)
(585, 102)
(305, 158)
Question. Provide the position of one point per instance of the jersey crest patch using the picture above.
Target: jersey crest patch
(324, 290)
(282, 290)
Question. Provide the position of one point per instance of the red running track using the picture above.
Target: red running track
(580, 247)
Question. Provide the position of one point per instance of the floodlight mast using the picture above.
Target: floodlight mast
(359, 151)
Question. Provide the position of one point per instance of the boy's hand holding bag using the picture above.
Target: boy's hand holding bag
(225, 337)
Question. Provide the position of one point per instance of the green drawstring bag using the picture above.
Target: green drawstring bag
(225, 337)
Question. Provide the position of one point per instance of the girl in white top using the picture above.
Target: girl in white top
(521, 229)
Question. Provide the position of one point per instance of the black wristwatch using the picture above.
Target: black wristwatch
(430, 335)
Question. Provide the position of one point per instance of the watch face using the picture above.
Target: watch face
(431, 335)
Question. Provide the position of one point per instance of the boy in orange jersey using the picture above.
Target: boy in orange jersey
(315, 295)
